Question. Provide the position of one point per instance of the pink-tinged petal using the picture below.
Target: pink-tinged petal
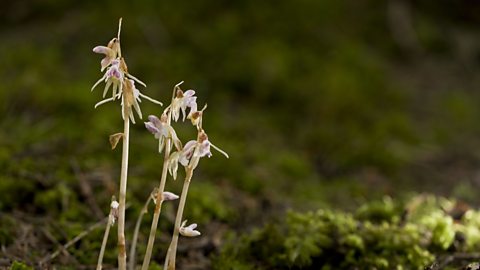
(102, 49)
(189, 93)
(105, 62)
(192, 226)
(189, 145)
(155, 121)
(183, 160)
(169, 196)
(151, 127)
(191, 101)
(189, 231)
(193, 106)
(114, 72)
(187, 152)
(116, 63)
(204, 149)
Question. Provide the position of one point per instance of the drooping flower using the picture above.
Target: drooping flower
(196, 117)
(189, 231)
(181, 102)
(191, 153)
(110, 51)
(112, 77)
(187, 152)
(173, 164)
(130, 98)
(118, 77)
(162, 130)
(166, 196)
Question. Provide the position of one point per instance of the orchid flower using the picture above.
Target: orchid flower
(181, 102)
(162, 130)
(130, 96)
(113, 77)
(191, 153)
(196, 117)
(110, 51)
(189, 231)
(118, 77)
(166, 195)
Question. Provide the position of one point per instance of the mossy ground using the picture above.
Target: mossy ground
(317, 103)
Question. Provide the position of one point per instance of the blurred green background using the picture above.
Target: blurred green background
(319, 104)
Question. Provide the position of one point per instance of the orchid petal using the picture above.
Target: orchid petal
(103, 102)
(151, 127)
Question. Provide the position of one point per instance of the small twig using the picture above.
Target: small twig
(73, 241)
(55, 241)
(443, 263)
(133, 248)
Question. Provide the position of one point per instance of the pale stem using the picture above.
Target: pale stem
(161, 188)
(122, 253)
(104, 242)
(131, 263)
(172, 249)
(158, 209)
(118, 37)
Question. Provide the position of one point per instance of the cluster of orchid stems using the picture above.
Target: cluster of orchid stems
(122, 83)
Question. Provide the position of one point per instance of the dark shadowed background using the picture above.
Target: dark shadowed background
(319, 104)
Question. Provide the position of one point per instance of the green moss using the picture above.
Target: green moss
(20, 266)
(7, 228)
(385, 234)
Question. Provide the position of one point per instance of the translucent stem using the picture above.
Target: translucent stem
(131, 263)
(104, 242)
(161, 188)
(172, 250)
(158, 208)
(122, 253)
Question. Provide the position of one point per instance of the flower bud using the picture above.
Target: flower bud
(189, 231)
(169, 196)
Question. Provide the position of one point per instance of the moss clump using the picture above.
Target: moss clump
(379, 235)
(19, 266)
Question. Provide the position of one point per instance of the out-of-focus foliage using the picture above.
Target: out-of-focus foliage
(318, 103)
(19, 266)
(379, 235)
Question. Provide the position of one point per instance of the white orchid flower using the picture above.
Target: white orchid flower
(191, 153)
(162, 130)
(183, 101)
(112, 77)
(189, 231)
(110, 51)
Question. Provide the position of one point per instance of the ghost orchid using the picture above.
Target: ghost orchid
(110, 51)
(189, 231)
(181, 102)
(162, 130)
(113, 77)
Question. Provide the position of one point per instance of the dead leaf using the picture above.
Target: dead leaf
(114, 139)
